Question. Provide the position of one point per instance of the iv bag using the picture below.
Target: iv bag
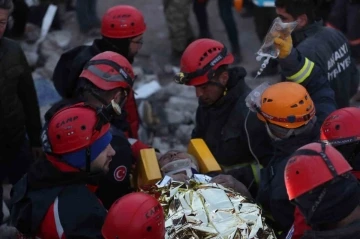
(277, 29)
(253, 100)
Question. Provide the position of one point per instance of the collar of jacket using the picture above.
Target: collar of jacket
(53, 173)
(236, 87)
(284, 148)
(309, 30)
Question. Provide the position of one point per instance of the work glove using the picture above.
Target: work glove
(229, 181)
(284, 45)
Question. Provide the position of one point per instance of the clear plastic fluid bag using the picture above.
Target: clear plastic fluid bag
(253, 99)
(277, 29)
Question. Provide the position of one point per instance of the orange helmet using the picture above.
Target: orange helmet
(311, 166)
(109, 70)
(136, 216)
(122, 21)
(200, 60)
(286, 104)
(341, 127)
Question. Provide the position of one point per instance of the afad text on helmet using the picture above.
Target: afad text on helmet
(121, 16)
(216, 60)
(68, 120)
(123, 73)
(153, 211)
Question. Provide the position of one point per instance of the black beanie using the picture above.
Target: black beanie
(120, 45)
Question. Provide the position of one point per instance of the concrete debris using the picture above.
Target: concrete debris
(60, 39)
(167, 110)
(147, 89)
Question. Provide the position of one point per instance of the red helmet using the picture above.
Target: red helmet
(311, 166)
(109, 70)
(200, 60)
(122, 21)
(72, 129)
(136, 216)
(341, 127)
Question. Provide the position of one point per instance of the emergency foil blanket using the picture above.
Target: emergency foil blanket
(204, 211)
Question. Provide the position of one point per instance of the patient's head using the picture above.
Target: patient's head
(175, 162)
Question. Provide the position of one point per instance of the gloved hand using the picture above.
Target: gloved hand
(229, 181)
(284, 46)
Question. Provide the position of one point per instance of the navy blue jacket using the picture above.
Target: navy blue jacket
(330, 51)
(316, 84)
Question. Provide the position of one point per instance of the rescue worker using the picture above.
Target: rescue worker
(222, 113)
(290, 120)
(320, 183)
(234, 137)
(122, 29)
(288, 112)
(20, 126)
(56, 197)
(177, 13)
(299, 69)
(225, 8)
(344, 16)
(340, 130)
(106, 79)
(144, 218)
(327, 48)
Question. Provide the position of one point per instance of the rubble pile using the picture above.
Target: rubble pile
(167, 110)
(168, 117)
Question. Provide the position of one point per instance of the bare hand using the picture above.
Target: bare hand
(229, 181)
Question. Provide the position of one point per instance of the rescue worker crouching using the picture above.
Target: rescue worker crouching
(221, 116)
(144, 218)
(288, 112)
(56, 199)
(107, 79)
(109, 76)
(122, 29)
(320, 183)
(340, 130)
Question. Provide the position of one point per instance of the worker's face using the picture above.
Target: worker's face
(102, 162)
(4, 16)
(286, 18)
(209, 93)
(119, 97)
(135, 45)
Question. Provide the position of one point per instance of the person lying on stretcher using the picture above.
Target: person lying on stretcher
(181, 166)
